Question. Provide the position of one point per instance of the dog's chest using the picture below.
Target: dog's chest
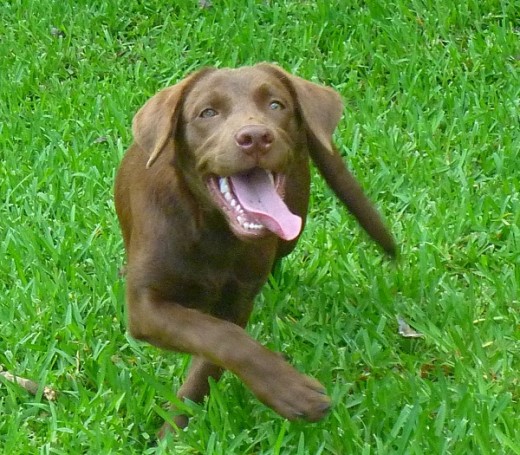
(215, 269)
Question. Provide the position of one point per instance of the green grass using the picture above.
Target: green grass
(431, 128)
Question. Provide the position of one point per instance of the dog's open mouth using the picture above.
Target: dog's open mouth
(253, 203)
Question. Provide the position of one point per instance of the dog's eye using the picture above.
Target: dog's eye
(207, 113)
(276, 106)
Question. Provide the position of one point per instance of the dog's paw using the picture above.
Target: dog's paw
(290, 393)
(304, 398)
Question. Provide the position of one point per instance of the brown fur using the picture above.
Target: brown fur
(191, 277)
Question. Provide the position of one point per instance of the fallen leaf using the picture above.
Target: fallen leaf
(100, 140)
(405, 330)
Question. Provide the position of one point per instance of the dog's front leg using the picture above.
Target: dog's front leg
(226, 345)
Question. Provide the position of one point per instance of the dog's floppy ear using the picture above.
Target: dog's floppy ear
(154, 124)
(321, 108)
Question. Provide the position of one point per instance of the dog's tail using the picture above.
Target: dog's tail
(349, 191)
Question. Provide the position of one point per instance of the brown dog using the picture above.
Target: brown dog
(212, 193)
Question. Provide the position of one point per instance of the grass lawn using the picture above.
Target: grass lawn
(431, 128)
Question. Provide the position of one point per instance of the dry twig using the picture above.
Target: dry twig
(32, 387)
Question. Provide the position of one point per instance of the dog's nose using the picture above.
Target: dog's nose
(254, 139)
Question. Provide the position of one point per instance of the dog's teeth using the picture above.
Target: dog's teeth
(223, 184)
(228, 197)
(233, 203)
(270, 175)
(240, 219)
(247, 225)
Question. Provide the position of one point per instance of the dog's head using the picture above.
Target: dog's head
(236, 133)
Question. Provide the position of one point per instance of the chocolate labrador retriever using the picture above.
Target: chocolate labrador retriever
(211, 194)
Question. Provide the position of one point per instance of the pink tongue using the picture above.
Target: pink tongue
(257, 196)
